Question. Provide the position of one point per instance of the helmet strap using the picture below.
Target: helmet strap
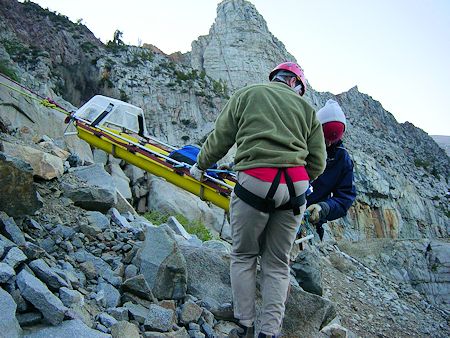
(298, 89)
(297, 86)
(281, 78)
(286, 78)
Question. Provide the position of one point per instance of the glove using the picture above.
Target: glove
(318, 212)
(314, 213)
(196, 172)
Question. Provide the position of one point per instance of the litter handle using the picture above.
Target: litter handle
(303, 239)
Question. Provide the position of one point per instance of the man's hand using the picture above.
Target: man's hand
(196, 172)
(314, 213)
(318, 212)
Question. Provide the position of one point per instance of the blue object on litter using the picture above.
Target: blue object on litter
(188, 154)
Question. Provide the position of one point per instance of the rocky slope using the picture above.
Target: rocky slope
(390, 279)
(73, 261)
(395, 163)
(401, 174)
(443, 142)
(239, 48)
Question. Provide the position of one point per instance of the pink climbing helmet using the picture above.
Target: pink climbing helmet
(293, 68)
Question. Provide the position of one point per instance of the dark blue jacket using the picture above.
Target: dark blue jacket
(335, 186)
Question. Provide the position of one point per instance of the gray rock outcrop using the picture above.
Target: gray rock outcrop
(67, 329)
(9, 326)
(124, 329)
(308, 272)
(422, 264)
(9, 227)
(37, 293)
(212, 277)
(98, 192)
(18, 194)
(159, 318)
(239, 48)
(162, 264)
(45, 165)
(47, 274)
(316, 313)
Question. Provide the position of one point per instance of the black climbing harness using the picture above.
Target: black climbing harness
(267, 204)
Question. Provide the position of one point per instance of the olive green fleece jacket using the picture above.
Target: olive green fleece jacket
(272, 127)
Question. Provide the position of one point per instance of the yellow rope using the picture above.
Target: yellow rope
(48, 104)
(44, 102)
(18, 91)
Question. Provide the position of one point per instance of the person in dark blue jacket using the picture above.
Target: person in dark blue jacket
(334, 190)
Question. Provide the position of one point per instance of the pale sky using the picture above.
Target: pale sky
(397, 51)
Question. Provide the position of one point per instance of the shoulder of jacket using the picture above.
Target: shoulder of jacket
(249, 89)
(255, 86)
(306, 104)
(343, 152)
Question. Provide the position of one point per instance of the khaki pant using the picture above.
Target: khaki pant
(271, 236)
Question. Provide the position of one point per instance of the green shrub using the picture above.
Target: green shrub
(146, 55)
(16, 50)
(185, 122)
(6, 70)
(200, 230)
(185, 77)
(220, 88)
(421, 163)
(88, 47)
(123, 96)
(435, 173)
(182, 219)
(112, 47)
(169, 65)
(435, 267)
(116, 44)
(193, 227)
(133, 63)
(181, 76)
(156, 217)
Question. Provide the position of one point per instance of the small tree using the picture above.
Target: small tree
(117, 39)
(117, 43)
